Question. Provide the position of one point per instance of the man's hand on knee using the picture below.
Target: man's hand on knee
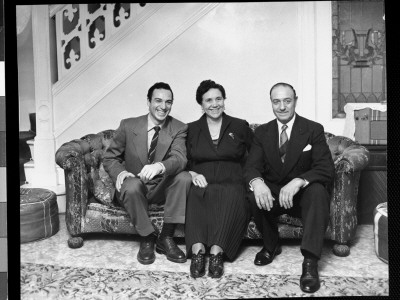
(149, 171)
(263, 195)
(288, 191)
(120, 179)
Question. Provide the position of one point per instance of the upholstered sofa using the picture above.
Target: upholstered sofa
(89, 207)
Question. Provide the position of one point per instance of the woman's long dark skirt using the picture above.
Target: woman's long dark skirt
(217, 215)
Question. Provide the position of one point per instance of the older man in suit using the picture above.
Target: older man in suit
(146, 159)
(288, 169)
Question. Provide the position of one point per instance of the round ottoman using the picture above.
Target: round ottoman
(38, 214)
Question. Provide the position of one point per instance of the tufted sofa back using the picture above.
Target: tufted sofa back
(93, 146)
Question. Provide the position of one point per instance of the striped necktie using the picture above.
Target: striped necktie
(283, 141)
(153, 145)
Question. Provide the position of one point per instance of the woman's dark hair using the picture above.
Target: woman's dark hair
(205, 86)
(159, 85)
(285, 85)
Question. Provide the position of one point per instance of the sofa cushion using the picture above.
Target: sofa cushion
(103, 186)
(100, 183)
(100, 218)
(287, 219)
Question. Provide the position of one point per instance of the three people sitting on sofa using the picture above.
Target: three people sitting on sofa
(211, 173)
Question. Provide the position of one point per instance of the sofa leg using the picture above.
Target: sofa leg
(341, 250)
(75, 242)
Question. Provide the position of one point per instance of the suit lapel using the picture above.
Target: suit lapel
(205, 131)
(272, 147)
(226, 120)
(164, 140)
(140, 139)
(297, 142)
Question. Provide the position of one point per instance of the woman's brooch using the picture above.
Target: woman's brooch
(232, 135)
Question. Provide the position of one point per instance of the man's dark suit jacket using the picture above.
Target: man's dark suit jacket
(128, 149)
(314, 165)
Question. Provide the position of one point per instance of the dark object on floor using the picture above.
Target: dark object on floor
(198, 265)
(381, 231)
(168, 247)
(38, 214)
(146, 254)
(373, 184)
(309, 279)
(75, 242)
(264, 257)
(216, 265)
(90, 207)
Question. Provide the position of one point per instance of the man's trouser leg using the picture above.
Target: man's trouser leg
(174, 194)
(314, 205)
(266, 221)
(132, 197)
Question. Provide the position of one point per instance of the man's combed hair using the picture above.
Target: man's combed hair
(205, 86)
(159, 85)
(285, 85)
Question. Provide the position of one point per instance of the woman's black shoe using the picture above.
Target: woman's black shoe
(216, 265)
(198, 265)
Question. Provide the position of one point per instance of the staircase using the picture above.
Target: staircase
(98, 47)
(87, 75)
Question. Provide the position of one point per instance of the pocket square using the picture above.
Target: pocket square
(308, 147)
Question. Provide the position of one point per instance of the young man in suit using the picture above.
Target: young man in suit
(146, 159)
(288, 170)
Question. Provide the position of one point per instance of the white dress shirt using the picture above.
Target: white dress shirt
(288, 129)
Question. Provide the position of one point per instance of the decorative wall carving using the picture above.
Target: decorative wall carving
(82, 28)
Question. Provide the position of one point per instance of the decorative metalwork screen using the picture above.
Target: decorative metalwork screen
(359, 53)
(82, 28)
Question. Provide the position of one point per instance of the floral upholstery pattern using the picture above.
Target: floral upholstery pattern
(100, 218)
(91, 209)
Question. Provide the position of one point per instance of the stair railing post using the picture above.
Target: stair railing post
(44, 147)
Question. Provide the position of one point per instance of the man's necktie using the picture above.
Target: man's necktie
(153, 145)
(283, 141)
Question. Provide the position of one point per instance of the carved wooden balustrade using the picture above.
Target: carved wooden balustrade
(82, 28)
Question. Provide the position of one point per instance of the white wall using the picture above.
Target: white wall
(246, 47)
(240, 46)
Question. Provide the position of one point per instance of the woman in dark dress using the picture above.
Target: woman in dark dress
(217, 214)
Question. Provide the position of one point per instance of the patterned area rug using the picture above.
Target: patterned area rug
(41, 281)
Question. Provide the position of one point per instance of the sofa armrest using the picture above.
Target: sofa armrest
(76, 185)
(343, 204)
(74, 148)
(353, 159)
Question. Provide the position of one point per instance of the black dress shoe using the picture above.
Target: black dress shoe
(309, 280)
(198, 265)
(146, 252)
(168, 247)
(264, 257)
(216, 265)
